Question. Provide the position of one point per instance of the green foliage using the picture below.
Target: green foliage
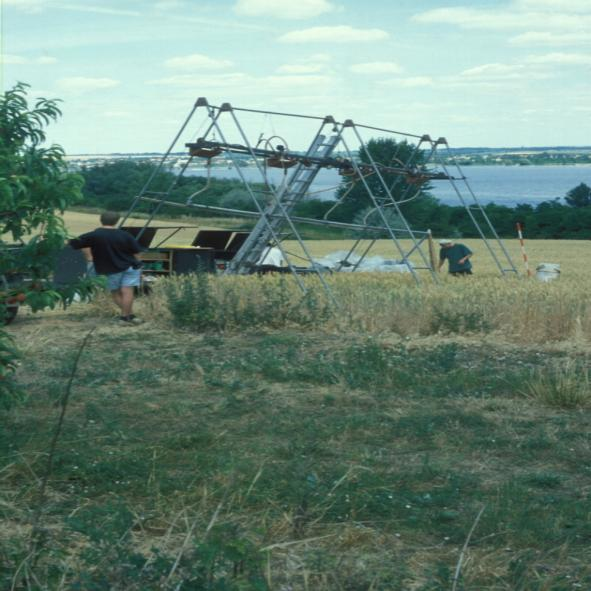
(9, 391)
(191, 303)
(566, 385)
(113, 185)
(225, 561)
(446, 319)
(387, 154)
(34, 182)
(35, 187)
(370, 216)
(194, 303)
(579, 196)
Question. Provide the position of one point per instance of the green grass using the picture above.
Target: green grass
(290, 460)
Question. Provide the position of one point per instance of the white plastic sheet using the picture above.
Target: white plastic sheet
(333, 261)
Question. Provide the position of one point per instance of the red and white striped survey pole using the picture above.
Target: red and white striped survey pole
(523, 253)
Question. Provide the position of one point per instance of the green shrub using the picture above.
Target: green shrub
(565, 385)
(9, 391)
(206, 302)
(190, 302)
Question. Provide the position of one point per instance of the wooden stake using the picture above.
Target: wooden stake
(523, 253)
(432, 257)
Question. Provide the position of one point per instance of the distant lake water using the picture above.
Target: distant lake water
(505, 185)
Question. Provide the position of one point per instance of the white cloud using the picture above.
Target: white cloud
(295, 9)
(497, 76)
(559, 5)
(313, 64)
(242, 81)
(211, 81)
(510, 18)
(376, 68)
(300, 69)
(41, 5)
(165, 5)
(97, 9)
(196, 61)
(547, 38)
(82, 84)
(13, 59)
(20, 60)
(410, 82)
(416, 81)
(27, 5)
(466, 17)
(46, 60)
(494, 71)
(296, 81)
(336, 34)
(568, 59)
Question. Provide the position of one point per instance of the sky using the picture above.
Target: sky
(480, 73)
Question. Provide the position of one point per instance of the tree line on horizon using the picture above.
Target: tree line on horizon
(114, 186)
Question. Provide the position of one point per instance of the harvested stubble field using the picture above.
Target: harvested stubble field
(248, 438)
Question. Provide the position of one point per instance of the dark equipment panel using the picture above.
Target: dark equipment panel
(70, 266)
(147, 235)
(193, 261)
(212, 239)
(226, 243)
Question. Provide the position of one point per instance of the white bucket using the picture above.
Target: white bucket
(547, 272)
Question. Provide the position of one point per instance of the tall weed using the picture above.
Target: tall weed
(566, 385)
(206, 303)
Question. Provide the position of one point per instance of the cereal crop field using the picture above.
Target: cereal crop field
(572, 255)
(248, 437)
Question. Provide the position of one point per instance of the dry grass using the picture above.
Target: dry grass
(291, 454)
(513, 310)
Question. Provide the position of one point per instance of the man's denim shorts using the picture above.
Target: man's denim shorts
(129, 278)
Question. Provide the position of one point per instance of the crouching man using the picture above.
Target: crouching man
(458, 257)
(115, 254)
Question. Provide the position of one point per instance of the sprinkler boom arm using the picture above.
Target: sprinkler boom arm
(345, 166)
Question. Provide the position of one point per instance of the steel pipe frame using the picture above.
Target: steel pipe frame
(330, 162)
(299, 219)
(378, 207)
(277, 195)
(475, 222)
(262, 216)
(214, 114)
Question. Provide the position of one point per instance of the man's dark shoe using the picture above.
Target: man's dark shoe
(132, 319)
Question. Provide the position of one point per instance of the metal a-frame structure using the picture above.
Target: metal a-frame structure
(333, 147)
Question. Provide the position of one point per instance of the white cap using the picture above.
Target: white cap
(445, 241)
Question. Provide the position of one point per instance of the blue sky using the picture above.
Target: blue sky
(482, 73)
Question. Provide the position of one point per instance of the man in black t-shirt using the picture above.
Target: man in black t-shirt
(457, 255)
(114, 253)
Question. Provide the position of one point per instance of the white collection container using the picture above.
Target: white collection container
(547, 272)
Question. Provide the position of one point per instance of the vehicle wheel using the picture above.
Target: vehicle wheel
(11, 312)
